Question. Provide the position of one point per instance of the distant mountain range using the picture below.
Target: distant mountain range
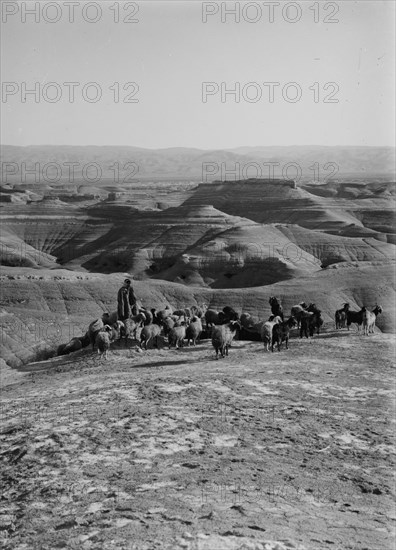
(133, 163)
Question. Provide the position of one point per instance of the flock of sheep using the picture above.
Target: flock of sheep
(191, 324)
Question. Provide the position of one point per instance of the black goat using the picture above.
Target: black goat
(311, 320)
(155, 319)
(223, 317)
(355, 317)
(281, 332)
(297, 312)
(230, 314)
(341, 316)
(276, 308)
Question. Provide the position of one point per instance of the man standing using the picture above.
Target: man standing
(126, 301)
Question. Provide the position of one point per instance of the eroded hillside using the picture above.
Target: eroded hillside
(172, 449)
(222, 235)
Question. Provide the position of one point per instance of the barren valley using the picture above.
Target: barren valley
(164, 448)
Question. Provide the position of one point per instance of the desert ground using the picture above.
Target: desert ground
(173, 449)
(160, 448)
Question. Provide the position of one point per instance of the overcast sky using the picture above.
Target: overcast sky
(170, 52)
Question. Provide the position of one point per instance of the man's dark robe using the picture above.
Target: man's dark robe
(126, 301)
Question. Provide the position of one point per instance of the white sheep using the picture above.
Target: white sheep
(266, 331)
(132, 325)
(176, 336)
(222, 336)
(150, 332)
(247, 321)
(103, 341)
(117, 329)
(164, 313)
(93, 330)
(369, 318)
(193, 331)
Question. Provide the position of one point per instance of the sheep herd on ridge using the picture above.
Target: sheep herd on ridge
(192, 323)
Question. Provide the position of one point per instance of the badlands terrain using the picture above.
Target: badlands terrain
(172, 449)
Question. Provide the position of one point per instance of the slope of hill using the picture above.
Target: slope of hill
(197, 245)
(278, 202)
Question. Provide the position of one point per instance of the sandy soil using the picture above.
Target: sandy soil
(171, 449)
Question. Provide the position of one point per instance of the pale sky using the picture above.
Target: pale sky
(170, 53)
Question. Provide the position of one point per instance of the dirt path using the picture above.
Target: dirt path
(172, 449)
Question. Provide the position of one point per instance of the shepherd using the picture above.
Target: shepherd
(126, 301)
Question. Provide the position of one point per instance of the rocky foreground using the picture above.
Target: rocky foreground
(171, 449)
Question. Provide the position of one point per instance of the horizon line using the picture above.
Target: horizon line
(193, 147)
